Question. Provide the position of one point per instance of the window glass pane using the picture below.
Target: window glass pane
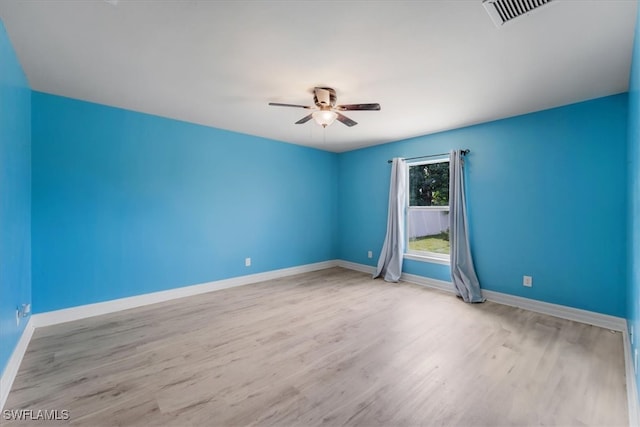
(429, 184)
(428, 230)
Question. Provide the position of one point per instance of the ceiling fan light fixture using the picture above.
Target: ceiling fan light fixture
(324, 117)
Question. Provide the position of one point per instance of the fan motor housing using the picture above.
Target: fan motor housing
(324, 97)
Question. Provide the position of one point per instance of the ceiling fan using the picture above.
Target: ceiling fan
(326, 111)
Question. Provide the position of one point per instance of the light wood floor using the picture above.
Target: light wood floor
(331, 347)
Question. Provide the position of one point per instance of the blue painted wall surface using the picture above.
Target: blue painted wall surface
(15, 196)
(127, 203)
(633, 248)
(546, 197)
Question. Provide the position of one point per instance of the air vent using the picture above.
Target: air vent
(503, 11)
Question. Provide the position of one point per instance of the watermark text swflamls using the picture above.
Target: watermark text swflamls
(36, 415)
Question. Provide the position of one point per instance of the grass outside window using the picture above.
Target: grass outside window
(438, 243)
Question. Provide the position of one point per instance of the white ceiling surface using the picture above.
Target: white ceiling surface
(432, 65)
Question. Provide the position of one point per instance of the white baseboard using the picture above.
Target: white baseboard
(440, 285)
(11, 370)
(562, 311)
(577, 315)
(355, 266)
(112, 306)
(583, 316)
(630, 375)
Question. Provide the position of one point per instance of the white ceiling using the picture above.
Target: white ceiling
(432, 65)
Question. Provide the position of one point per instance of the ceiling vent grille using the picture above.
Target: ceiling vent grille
(503, 11)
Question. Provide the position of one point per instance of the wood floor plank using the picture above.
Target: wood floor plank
(331, 347)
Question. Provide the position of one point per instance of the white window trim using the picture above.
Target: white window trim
(424, 256)
(431, 257)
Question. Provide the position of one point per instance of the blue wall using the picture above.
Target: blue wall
(546, 198)
(633, 249)
(15, 196)
(127, 203)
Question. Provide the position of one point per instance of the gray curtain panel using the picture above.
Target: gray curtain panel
(463, 274)
(390, 261)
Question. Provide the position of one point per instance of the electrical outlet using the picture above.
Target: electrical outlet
(527, 281)
(370, 254)
(247, 262)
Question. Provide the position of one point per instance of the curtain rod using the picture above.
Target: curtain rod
(463, 152)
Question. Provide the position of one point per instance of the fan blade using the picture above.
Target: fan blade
(277, 104)
(353, 107)
(346, 120)
(305, 119)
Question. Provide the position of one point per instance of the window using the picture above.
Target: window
(428, 209)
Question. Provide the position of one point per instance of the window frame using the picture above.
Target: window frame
(424, 256)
